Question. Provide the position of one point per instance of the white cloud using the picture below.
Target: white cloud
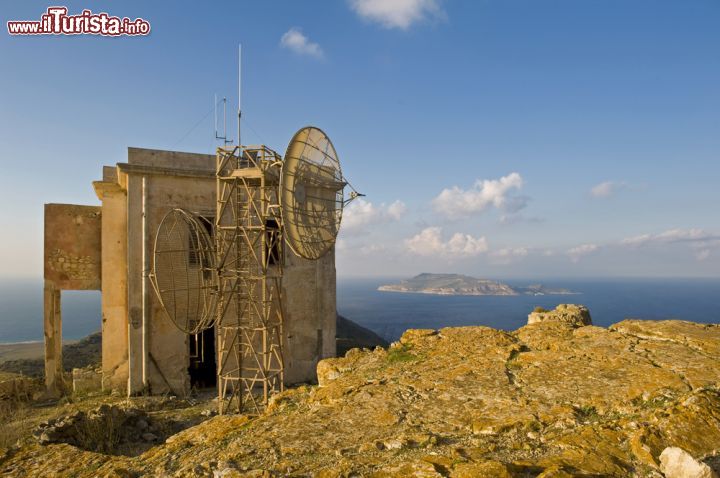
(397, 13)
(576, 253)
(361, 213)
(429, 242)
(372, 249)
(607, 188)
(358, 214)
(396, 210)
(515, 218)
(455, 202)
(683, 235)
(295, 40)
(702, 255)
(696, 236)
(701, 241)
(509, 254)
(341, 244)
(637, 240)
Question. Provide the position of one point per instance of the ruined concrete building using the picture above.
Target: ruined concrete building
(109, 248)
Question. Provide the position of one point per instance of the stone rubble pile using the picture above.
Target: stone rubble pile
(103, 429)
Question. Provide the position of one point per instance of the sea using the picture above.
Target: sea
(610, 300)
(389, 314)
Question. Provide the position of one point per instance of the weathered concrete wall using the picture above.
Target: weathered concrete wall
(72, 246)
(172, 180)
(114, 285)
(72, 261)
(171, 159)
(310, 308)
(168, 345)
(327, 289)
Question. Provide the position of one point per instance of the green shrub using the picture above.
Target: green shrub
(400, 354)
(587, 413)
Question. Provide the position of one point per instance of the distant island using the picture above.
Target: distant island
(456, 284)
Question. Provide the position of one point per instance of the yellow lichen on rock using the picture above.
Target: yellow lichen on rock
(551, 399)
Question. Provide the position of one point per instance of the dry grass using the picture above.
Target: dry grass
(101, 434)
(15, 422)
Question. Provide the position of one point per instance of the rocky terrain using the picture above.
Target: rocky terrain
(555, 398)
(456, 284)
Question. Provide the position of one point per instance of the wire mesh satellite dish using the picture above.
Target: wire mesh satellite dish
(311, 193)
(183, 273)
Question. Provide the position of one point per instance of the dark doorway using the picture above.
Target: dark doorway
(202, 370)
(272, 247)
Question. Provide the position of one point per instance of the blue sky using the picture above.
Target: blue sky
(499, 138)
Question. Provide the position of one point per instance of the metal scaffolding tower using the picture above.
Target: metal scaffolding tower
(249, 240)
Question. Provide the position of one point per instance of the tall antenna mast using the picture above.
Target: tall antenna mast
(239, 91)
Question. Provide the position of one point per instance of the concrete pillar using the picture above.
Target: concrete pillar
(134, 284)
(114, 286)
(53, 341)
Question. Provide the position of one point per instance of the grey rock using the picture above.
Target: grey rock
(44, 438)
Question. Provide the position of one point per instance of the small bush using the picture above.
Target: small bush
(400, 354)
(587, 413)
(540, 310)
(102, 434)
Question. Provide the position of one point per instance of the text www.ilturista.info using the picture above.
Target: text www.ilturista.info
(57, 22)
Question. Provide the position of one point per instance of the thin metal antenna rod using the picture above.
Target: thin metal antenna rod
(224, 135)
(239, 91)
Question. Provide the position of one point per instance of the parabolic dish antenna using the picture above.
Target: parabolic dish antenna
(311, 193)
(183, 272)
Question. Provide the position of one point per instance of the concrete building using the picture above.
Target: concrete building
(109, 248)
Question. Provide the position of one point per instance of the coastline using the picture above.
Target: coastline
(22, 342)
(29, 349)
(385, 288)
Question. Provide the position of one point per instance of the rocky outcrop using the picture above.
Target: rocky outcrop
(570, 314)
(548, 400)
